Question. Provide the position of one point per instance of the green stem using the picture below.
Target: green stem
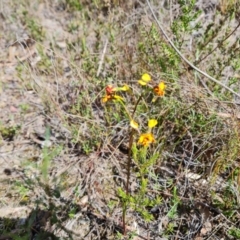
(129, 160)
(130, 143)
(124, 207)
(135, 108)
(128, 180)
(123, 105)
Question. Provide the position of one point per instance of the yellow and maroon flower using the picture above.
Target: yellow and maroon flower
(160, 89)
(146, 139)
(111, 93)
(110, 97)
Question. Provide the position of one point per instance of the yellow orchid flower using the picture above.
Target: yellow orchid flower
(160, 89)
(145, 139)
(110, 97)
(145, 79)
(111, 93)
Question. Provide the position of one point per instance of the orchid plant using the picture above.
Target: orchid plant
(139, 141)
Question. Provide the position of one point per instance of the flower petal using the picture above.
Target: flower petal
(110, 89)
(125, 88)
(160, 89)
(145, 139)
(117, 97)
(106, 98)
(144, 79)
(141, 82)
(162, 86)
(152, 123)
(134, 124)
